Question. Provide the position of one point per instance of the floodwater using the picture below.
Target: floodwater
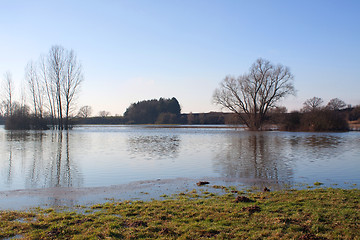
(106, 156)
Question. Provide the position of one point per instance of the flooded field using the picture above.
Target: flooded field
(105, 156)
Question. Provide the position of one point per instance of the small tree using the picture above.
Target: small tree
(9, 93)
(336, 104)
(312, 104)
(250, 96)
(19, 119)
(84, 112)
(104, 113)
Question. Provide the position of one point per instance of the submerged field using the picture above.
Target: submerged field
(290, 214)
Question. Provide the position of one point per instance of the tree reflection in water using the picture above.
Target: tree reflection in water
(275, 156)
(44, 162)
(255, 156)
(154, 146)
(115, 155)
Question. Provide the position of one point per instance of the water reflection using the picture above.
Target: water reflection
(277, 156)
(9, 168)
(317, 147)
(24, 136)
(154, 146)
(254, 155)
(61, 171)
(323, 141)
(40, 159)
(108, 156)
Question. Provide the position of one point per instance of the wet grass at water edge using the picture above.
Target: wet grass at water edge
(288, 214)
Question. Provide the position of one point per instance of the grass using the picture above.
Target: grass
(291, 214)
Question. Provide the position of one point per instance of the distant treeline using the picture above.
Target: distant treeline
(153, 111)
(168, 111)
(166, 118)
(162, 111)
(316, 120)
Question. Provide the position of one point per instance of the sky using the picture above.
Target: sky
(132, 50)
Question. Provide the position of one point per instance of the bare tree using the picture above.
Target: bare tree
(250, 96)
(56, 70)
(2, 108)
(312, 104)
(336, 104)
(62, 76)
(9, 93)
(49, 88)
(70, 86)
(84, 112)
(36, 88)
(104, 113)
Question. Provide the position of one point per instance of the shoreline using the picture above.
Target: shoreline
(146, 190)
(198, 214)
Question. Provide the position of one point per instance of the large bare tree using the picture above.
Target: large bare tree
(62, 76)
(251, 95)
(56, 70)
(73, 79)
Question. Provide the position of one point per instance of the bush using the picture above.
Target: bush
(325, 120)
(292, 121)
(167, 118)
(20, 119)
(316, 121)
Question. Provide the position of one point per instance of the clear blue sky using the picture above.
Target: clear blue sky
(135, 50)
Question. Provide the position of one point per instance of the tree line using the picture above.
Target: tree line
(315, 117)
(210, 118)
(54, 80)
(252, 98)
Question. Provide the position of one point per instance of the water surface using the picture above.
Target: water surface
(95, 156)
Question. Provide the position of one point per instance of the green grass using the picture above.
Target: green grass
(292, 214)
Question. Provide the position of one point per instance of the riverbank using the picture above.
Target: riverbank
(196, 214)
(70, 197)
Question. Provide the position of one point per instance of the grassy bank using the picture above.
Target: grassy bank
(291, 214)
